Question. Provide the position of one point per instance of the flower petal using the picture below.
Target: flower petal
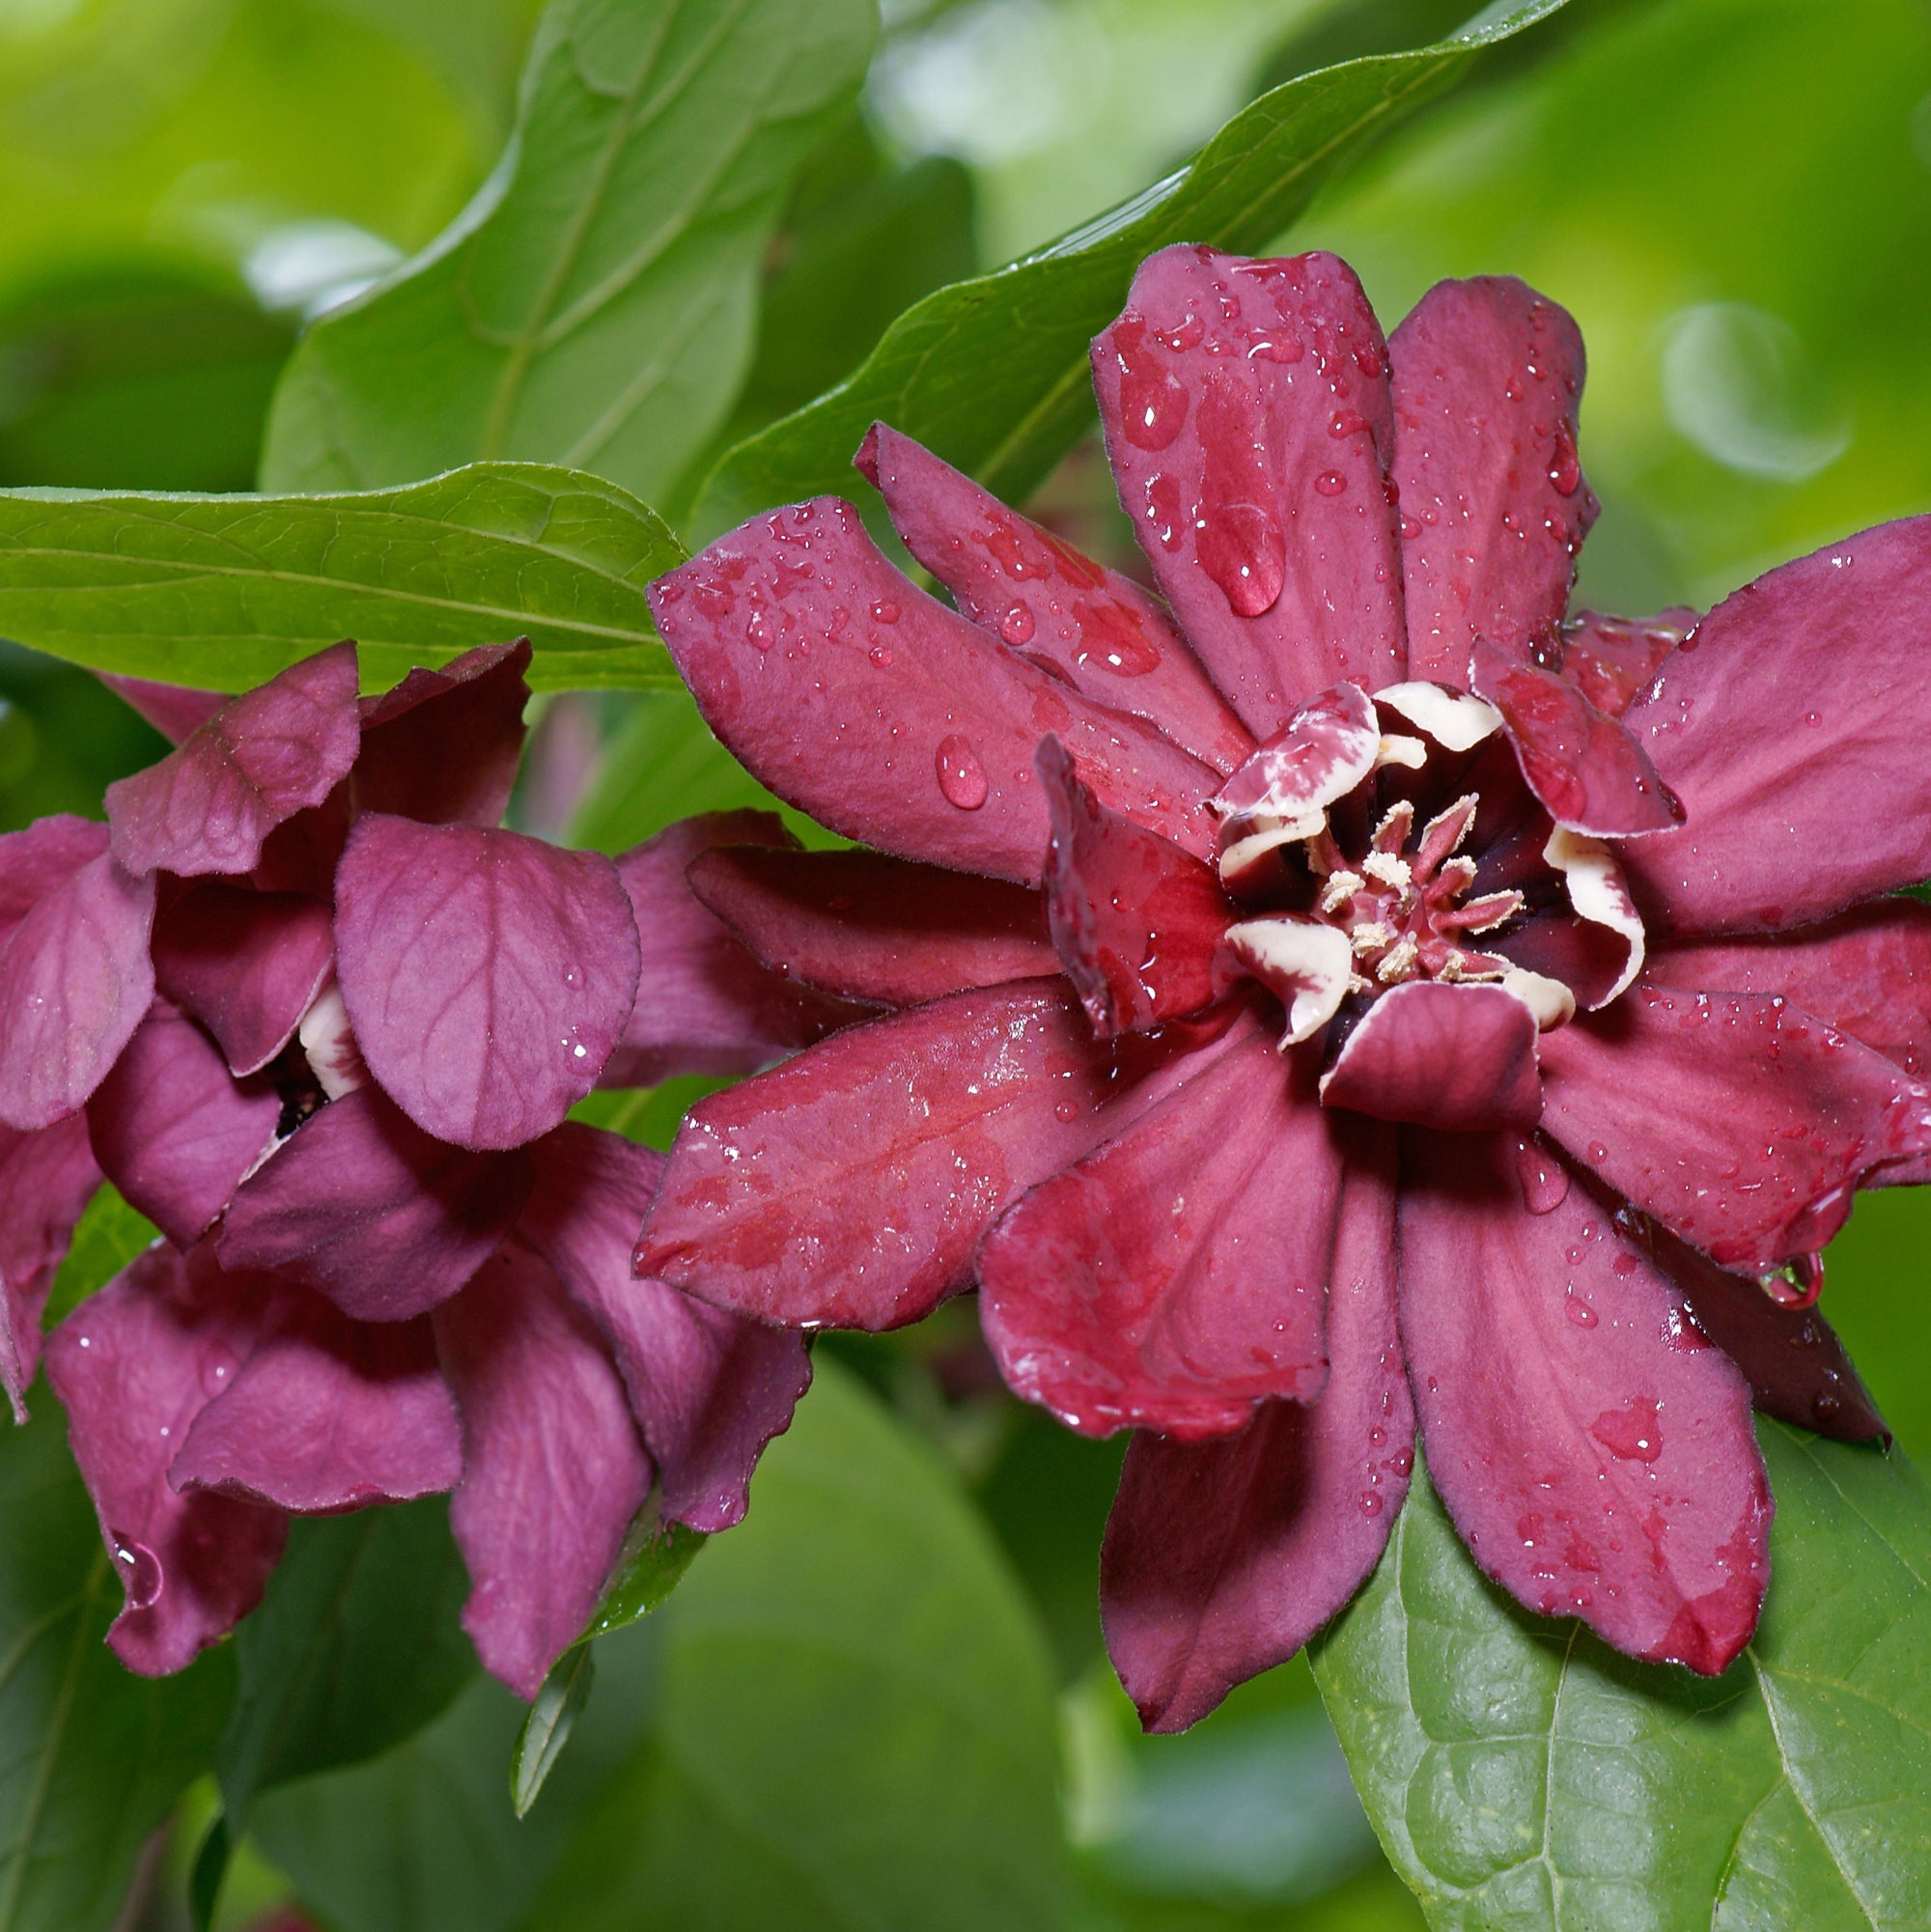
(709, 1388)
(1610, 659)
(874, 928)
(1739, 1121)
(1460, 1058)
(174, 1130)
(1175, 1277)
(1096, 629)
(705, 1004)
(364, 1206)
(46, 1180)
(552, 1471)
(1224, 1557)
(326, 1415)
(75, 980)
(134, 1365)
(890, 718)
(850, 1186)
(1486, 377)
(1135, 920)
(41, 858)
(246, 965)
(176, 711)
(1792, 726)
(442, 747)
(262, 756)
(1594, 1451)
(489, 976)
(1246, 406)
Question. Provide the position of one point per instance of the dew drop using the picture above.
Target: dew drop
(757, 629)
(960, 776)
(1371, 1503)
(1544, 1180)
(218, 1365)
(1579, 1310)
(1153, 403)
(886, 611)
(139, 1567)
(1016, 626)
(1331, 483)
(881, 656)
(1565, 472)
(1629, 1432)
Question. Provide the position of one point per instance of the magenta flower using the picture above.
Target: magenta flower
(1343, 998)
(316, 1015)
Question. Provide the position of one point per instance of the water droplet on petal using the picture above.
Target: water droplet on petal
(1016, 626)
(1565, 472)
(1545, 1181)
(218, 1364)
(139, 1567)
(1579, 1310)
(1629, 1432)
(1331, 483)
(960, 776)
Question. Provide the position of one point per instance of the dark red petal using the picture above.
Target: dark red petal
(246, 965)
(1586, 767)
(709, 1388)
(134, 1365)
(1739, 1121)
(1246, 406)
(1792, 727)
(553, 1470)
(262, 758)
(1589, 957)
(1487, 378)
(1610, 659)
(75, 981)
(850, 1186)
(176, 711)
(443, 746)
(1461, 1059)
(1135, 920)
(489, 975)
(869, 927)
(41, 858)
(1176, 1277)
(1594, 1451)
(706, 1005)
(174, 1130)
(327, 1414)
(890, 718)
(1222, 1558)
(1100, 629)
(46, 1180)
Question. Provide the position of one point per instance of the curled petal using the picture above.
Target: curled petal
(1306, 963)
(1610, 659)
(1456, 720)
(1325, 750)
(1459, 1058)
(443, 746)
(1599, 895)
(46, 1180)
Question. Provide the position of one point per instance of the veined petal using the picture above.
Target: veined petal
(1246, 406)
(40, 858)
(1594, 1451)
(442, 747)
(46, 1180)
(1460, 1058)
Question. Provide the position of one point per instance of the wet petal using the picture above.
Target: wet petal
(46, 1180)
(1176, 1277)
(443, 746)
(74, 982)
(553, 1470)
(364, 1206)
(1135, 920)
(489, 975)
(705, 1004)
(176, 711)
(1222, 1558)
(1792, 726)
(1594, 1451)
(1610, 659)
(262, 756)
(1739, 1121)
(1246, 406)
(709, 1388)
(1487, 377)
(1460, 1058)
(890, 718)
(174, 1130)
(850, 1186)
(870, 927)
(134, 1365)
(1018, 580)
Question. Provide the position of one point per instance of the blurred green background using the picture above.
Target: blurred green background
(1733, 196)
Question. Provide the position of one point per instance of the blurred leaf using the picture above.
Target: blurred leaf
(355, 1647)
(546, 1729)
(91, 1756)
(1521, 1774)
(225, 591)
(595, 303)
(857, 1726)
(1876, 1303)
(652, 1567)
(992, 373)
(646, 1114)
(109, 1235)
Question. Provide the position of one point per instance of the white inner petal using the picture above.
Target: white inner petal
(1598, 893)
(1454, 719)
(1306, 963)
(1549, 999)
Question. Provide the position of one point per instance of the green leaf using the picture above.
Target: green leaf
(91, 1756)
(225, 591)
(1524, 1775)
(559, 1700)
(356, 1645)
(595, 304)
(653, 1564)
(857, 1726)
(108, 1236)
(992, 373)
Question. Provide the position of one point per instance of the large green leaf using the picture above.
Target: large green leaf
(596, 304)
(1522, 1775)
(91, 1756)
(992, 373)
(225, 591)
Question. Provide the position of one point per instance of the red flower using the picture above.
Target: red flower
(1381, 1001)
